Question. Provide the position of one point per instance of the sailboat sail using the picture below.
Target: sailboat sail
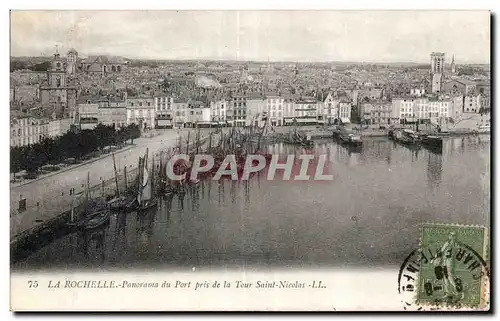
(76, 205)
(146, 186)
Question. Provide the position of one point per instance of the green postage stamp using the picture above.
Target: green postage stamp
(454, 267)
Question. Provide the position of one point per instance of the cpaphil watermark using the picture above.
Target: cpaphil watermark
(292, 167)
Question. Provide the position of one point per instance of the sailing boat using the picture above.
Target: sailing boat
(145, 197)
(95, 211)
(121, 203)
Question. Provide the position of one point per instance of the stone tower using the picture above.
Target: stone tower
(56, 73)
(453, 67)
(56, 93)
(437, 71)
(71, 57)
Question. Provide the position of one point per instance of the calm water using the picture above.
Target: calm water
(368, 214)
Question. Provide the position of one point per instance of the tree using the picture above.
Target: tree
(17, 65)
(44, 66)
(15, 160)
(134, 132)
(467, 71)
(165, 85)
(32, 161)
(69, 145)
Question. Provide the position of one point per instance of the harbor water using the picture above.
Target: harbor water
(368, 215)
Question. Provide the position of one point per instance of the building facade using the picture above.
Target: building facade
(239, 104)
(330, 109)
(376, 113)
(180, 113)
(472, 103)
(274, 109)
(141, 111)
(459, 87)
(411, 109)
(256, 110)
(218, 109)
(306, 112)
(113, 113)
(103, 65)
(88, 115)
(417, 92)
(28, 130)
(345, 108)
(164, 111)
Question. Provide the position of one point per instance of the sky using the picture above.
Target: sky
(354, 36)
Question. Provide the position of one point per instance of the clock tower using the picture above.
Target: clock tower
(57, 95)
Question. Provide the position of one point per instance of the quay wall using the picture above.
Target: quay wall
(60, 206)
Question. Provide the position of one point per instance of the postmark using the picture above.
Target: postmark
(450, 269)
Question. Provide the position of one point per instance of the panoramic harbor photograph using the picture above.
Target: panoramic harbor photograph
(259, 140)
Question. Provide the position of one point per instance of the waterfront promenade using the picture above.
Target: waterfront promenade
(52, 192)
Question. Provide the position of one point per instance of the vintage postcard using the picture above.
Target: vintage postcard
(250, 160)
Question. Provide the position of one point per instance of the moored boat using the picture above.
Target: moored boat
(145, 199)
(95, 220)
(123, 203)
(433, 141)
(405, 136)
(350, 139)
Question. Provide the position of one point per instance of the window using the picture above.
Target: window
(140, 104)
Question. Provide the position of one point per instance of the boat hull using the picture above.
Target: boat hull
(348, 141)
(434, 144)
(97, 221)
(151, 204)
(92, 221)
(124, 205)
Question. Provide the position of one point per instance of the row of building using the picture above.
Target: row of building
(431, 108)
(28, 129)
(166, 112)
(161, 111)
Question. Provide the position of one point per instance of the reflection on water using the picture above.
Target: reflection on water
(368, 214)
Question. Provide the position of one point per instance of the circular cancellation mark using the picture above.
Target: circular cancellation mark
(455, 278)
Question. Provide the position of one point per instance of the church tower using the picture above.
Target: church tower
(56, 73)
(71, 58)
(437, 71)
(56, 94)
(453, 67)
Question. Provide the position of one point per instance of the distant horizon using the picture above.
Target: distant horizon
(257, 61)
(278, 36)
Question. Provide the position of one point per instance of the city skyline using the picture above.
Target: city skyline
(288, 36)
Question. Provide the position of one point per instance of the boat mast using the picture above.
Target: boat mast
(139, 176)
(116, 177)
(125, 177)
(152, 173)
(87, 191)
